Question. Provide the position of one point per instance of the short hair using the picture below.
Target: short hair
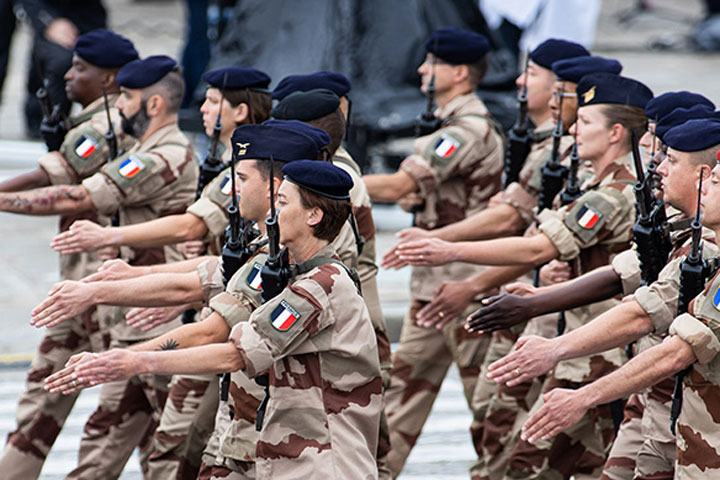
(630, 117)
(707, 157)
(334, 125)
(263, 167)
(335, 213)
(259, 103)
(171, 87)
(478, 69)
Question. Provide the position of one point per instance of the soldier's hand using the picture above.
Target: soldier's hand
(554, 272)
(116, 269)
(532, 356)
(65, 380)
(521, 289)
(449, 300)
(413, 233)
(193, 248)
(392, 260)
(82, 236)
(110, 366)
(62, 32)
(108, 253)
(410, 202)
(498, 313)
(427, 253)
(65, 300)
(563, 408)
(148, 318)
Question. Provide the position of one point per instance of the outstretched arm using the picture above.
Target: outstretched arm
(55, 200)
(564, 408)
(84, 235)
(389, 187)
(25, 181)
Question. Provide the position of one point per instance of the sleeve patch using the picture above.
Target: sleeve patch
(254, 278)
(587, 217)
(711, 306)
(444, 148)
(284, 316)
(219, 191)
(85, 151)
(130, 169)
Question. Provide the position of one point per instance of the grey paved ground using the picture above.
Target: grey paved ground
(28, 267)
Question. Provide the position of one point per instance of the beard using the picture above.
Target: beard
(137, 124)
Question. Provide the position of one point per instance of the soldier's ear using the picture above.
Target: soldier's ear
(314, 216)
(240, 113)
(155, 105)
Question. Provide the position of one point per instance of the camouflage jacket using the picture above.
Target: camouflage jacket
(457, 169)
(316, 342)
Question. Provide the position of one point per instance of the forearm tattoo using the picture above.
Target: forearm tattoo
(169, 344)
(44, 201)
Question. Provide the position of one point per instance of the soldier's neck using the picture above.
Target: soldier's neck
(538, 118)
(614, 151)
(443, 98)
(307, 249)
(156, 123)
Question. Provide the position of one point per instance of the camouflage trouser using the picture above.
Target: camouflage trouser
(419, 367)
(580, 450)
(620, 464)
(127, 415)
(229, 470)
(186, 424)
(656, 460)
(41, 415)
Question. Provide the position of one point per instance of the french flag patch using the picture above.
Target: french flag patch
(85, 147)
(588, 217)
(131, 167)
(284, 316)
(254, 279)
(446, 146)
(226, 185)
(716, 299)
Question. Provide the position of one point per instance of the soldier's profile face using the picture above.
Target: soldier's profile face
(291, 214)
(441, 69)
(539, 83)
(711, 199)
(252, 191)
(209, 110)
(566, 90)
(678, 180)
(593, 133)
(82, 81)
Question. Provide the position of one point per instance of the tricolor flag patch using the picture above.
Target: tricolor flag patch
(226, 185)
(284, 316)
(716, 299)
(446, 146)
(254, 279)
(588, 217)
(131, 167)
(85, 147)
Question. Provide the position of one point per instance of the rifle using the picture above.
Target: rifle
(694, 270)
(275, 275)
(111, 140)
(213, 165)
(54, 125)
(650, 231)
(519, 140)
(570, 193)
(553, 173)
(426, 123)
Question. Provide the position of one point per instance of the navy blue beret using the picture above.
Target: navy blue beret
(573, 69)
(694, 135)
(105, 49)
(333, 81)
(663, 104)
(145, 72)
(306, 106)
(283, 140)
(602, 87)
(457, 46)
(322, 178)
(554, 49)
(237, 78)
(680, 116)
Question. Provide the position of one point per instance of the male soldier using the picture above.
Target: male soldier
(245, 101)
(232, 446)
(97, 57)
(455, 171)
(649, 448)
(590, 230)
(356, 240)
(315, 339)
(690, 339)
(156, 177)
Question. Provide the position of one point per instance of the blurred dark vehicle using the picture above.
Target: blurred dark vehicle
(378, 44)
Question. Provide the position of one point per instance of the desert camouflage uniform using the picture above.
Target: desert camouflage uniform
(497, 409)
(155, 178)
(591, 230)
(645, 449)
(41, 415)
(189, 415)
(367, 271)
(698, 440)
(316, 341)
(457, 169)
